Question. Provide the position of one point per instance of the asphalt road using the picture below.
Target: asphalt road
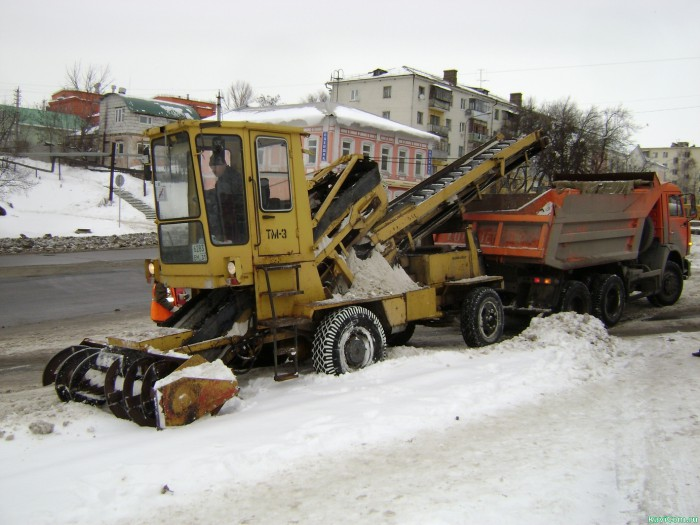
(36, 288)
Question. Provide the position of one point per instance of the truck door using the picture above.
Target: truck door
(678, 230)
(278, 232)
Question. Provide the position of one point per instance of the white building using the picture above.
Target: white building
(404, 154)
(463, 117)
(680, 163)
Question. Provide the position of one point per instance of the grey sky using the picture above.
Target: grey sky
(644, 55)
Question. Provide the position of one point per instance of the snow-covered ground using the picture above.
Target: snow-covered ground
(563, 423)
(78, 200)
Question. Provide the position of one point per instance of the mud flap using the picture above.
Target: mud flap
(195, 389)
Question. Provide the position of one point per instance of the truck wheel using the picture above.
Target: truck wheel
(481, 319)
(574, 297)
(403, 337)
(671, 286)
(347, 340)
(608, 298)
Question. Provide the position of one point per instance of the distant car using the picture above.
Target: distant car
(2, 211)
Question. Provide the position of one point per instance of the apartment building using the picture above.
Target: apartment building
(463, 117)
(681, 163)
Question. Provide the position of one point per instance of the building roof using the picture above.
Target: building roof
(158, 108)
(49, 119)
(314, 113)
(433, 79)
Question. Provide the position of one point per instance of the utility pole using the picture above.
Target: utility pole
(18, 98)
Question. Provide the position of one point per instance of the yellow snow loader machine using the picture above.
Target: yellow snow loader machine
(275, 261)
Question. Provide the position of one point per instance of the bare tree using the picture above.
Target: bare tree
(268, 100)
(92, 79)
(239, 95)
(9, 118)
(13, 178)
(320, 96)
(581, 141)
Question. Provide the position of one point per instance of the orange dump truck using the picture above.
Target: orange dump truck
(589, 244)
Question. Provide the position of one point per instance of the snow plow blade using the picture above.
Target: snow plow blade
(150, 388)
(195, 389)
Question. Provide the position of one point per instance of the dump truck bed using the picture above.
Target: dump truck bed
(582, 222)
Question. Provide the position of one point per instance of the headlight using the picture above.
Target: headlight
(151, 268)
(231, 267)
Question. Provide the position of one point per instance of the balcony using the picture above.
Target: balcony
(478, 138)
(436, 103)
(442, 131)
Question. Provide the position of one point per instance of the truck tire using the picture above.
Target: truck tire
(348, 339)
(575, 297)
(481, 319)
(402, 337)
(609, 297)
(671, 286)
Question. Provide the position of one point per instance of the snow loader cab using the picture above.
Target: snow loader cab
(282, 266)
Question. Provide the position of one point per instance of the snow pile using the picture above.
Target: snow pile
(374, 277)
(581, 340)
(216, 370)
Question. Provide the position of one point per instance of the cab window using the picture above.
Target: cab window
(273, 174)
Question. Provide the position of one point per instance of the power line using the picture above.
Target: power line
(598, 64)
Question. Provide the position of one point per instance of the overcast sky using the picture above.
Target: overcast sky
(642, 54)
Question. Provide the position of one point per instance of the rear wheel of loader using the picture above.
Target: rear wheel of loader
(608, 294)
(482, 318)
(348, 339)
(671, 286)
(403, 337)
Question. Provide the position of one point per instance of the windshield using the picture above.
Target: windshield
(173, 178)
(176, 198)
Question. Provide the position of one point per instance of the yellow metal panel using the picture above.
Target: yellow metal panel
(395, 310)
(421, 304)
(437, 268)
(167, 339)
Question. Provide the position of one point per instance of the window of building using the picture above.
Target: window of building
(421, 92)
(665, 155)
(387, 92)
(144, 119)
(385, 163)
(312, 147)
(403, 156)
(460, 151)
(496, 114)
(354, 95)
(346, 147)
(435, 120)
(462, 127)
(119, 115)
(656, 154)
(463, 103)
(419, 117)
(367, 149)
(141, 148)
(448, 124)
(479, 105)
(119, 147)
(419, 164)
(386, 114)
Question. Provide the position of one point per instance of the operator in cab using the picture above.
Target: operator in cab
(226, 203)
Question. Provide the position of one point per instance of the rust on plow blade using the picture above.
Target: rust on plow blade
(195, 389)
(135, 384)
